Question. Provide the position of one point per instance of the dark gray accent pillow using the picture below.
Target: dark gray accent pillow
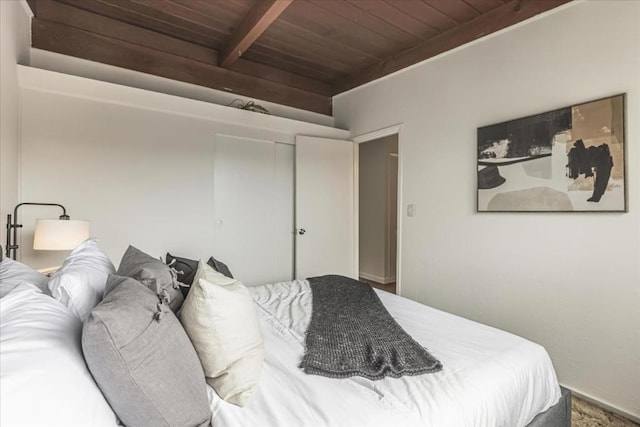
(153, 273)
(220, 267)
(185, 268)
(143, 360)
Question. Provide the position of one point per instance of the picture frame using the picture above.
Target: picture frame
(572, 159)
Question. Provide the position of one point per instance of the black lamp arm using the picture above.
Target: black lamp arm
(12, 227)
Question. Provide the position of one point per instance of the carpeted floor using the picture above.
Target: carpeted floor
(584, 414)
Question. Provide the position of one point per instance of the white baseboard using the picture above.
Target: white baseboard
(378, 279)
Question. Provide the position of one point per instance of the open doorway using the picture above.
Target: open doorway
(378, 207)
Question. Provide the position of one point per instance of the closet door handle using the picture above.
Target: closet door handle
(301, 231)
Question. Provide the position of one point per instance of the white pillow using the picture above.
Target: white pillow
(79, 284)
(12, 273)
(220, 317)
(45, 381)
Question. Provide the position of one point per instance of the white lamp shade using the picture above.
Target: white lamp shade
(59, 234)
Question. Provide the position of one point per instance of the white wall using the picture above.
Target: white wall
(139, 165)
(569, 281)
(15, 38)
(94, 70)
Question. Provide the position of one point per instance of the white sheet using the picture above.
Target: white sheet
(489, 377)
(44, 380)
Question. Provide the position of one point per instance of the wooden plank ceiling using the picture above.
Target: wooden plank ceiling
(297, 53)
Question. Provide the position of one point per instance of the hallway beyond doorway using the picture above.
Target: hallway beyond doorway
(389, 287)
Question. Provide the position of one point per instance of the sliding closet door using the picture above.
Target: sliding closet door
(253, 208)
(324, 207)
(284, 221)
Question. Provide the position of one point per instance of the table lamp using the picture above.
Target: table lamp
(59, 234)
(50, 234)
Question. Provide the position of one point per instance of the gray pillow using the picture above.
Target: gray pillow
(153, 273)
(220, 267)
(142, 359)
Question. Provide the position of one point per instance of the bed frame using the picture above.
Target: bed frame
(559, 415)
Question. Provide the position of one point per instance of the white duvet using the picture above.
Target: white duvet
(44, 381)
(489, 377)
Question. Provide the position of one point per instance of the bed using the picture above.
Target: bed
(488, 378)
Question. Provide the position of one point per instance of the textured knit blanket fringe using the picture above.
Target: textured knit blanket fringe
(352, 334)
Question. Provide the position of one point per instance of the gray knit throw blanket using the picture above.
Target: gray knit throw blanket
(351, 333)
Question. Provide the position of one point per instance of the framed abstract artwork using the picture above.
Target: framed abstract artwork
(567, 160)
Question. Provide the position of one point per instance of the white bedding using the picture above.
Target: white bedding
(489, 377)
(44, 380)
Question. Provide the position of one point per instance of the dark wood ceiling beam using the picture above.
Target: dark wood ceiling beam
(495, 20)
(253, 25)
(104, 26)
(72, 41)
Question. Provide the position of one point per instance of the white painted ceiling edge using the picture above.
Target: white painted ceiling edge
(82, 87)
(109, 73)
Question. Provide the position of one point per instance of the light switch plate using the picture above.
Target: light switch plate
(411, 210)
